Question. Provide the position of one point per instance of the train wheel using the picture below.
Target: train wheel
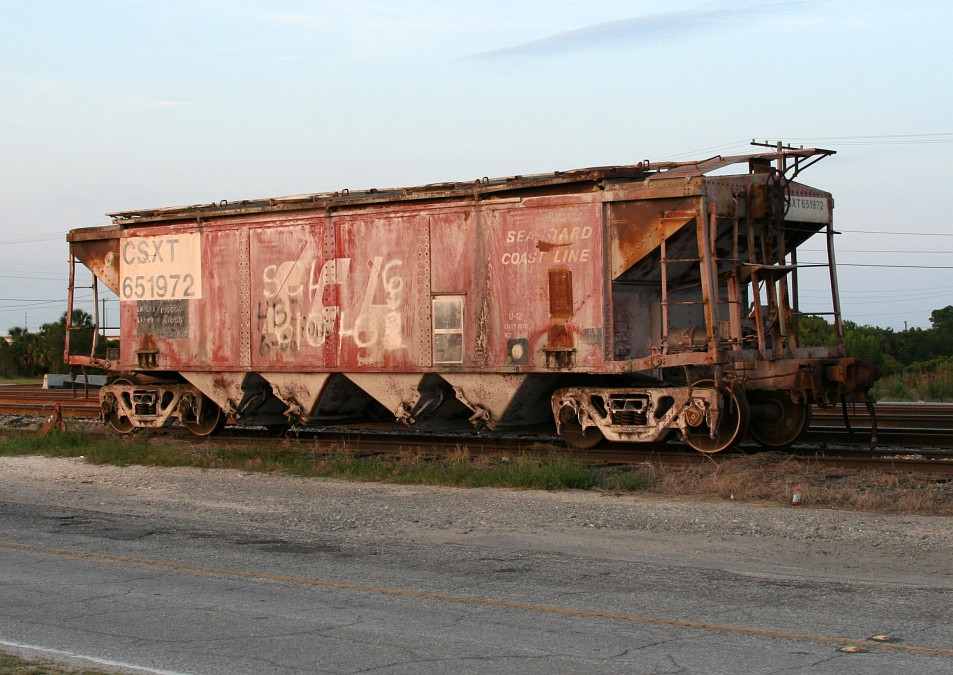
(732, 423)
(118, 423)
(579, 438)
(777, 420)
(571, 431)
(211, 420)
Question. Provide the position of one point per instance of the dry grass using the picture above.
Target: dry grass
(772, 478)
(14, 665)
(763, 477)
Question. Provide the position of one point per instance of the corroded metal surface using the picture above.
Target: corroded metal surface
(485, 297)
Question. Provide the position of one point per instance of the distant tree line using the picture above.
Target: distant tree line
(28, 355)
(916, 349)
(909, 356)
(917, 364)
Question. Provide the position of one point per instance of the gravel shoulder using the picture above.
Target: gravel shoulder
(745, 538)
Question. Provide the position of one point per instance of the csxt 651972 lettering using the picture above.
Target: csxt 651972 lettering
(618, 303)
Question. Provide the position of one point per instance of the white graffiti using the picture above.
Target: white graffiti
(294, 312)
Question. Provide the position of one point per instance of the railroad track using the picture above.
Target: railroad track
(30, 400)
(916, 437)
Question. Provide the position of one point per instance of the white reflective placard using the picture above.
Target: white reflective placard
(809, 209)
(166, 267)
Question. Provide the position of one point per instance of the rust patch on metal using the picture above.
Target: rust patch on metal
(147, 355)
(560, 293)
(560, 348)
(560, 337)
(221, 384)
(638, 228)
(101, 256)
(546, 246)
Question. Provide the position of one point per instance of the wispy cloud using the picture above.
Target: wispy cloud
(153, 102)
(41, 86)
(293, 13)
(366, 29)
(297, 19)
(637, 31)
(75, 93)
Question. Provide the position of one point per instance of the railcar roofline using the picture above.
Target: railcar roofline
(581, 180)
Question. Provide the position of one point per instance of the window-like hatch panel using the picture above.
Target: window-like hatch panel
(448, 329)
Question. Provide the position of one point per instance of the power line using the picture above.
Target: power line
(877, 136)
(910, 142)
(29, 300)
(908, 313)
(42, 276)
(845, 301)
(881, 139)
(802, 263)
(907, 292)
(819, 299)
(711, 148)
(34, 240)
(36, 302)
(31, 305)
(857, 250)
(899, 234)
(878, 139)
(915, 267)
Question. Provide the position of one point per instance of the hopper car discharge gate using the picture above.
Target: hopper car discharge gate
(622, 303)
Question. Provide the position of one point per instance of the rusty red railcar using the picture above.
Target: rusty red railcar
(618, 303)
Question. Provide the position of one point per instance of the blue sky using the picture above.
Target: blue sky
(109, 105)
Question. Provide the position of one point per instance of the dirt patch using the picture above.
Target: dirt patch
(772, 478)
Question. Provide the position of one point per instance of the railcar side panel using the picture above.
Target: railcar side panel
(218, 327)
(289, 277)
(547, 284)
(381, 300)
(178, 305)
(627, 302)
(454, 255)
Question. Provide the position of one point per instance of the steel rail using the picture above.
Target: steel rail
(923, 444)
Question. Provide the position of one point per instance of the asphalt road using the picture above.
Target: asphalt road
(174, 594)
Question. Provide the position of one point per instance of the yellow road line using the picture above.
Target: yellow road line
(205, 571)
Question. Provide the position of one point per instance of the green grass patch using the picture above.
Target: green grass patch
(762, 477)
(118, 451)
(934, 386)
(553, 471)
(457, 467)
